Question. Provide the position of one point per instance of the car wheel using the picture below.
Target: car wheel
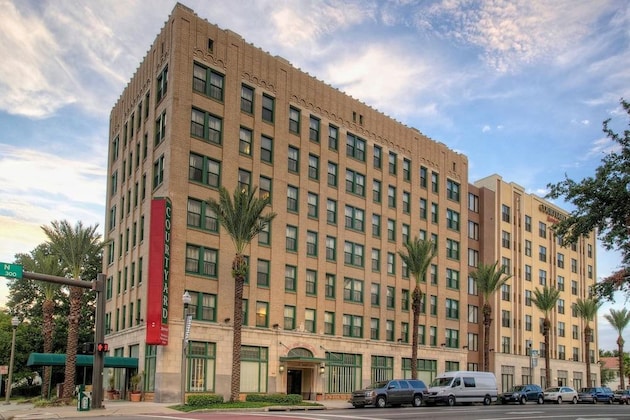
(487, 400)
(381, 402)
(523, 399)
(451, 401)
(417, 401)
(574, 400)
(559, 401)
(541, 400)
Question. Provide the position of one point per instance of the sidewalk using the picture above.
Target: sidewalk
(16, 411)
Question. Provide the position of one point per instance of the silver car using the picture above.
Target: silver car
(560, 394)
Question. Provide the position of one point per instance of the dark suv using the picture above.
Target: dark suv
(523, 393)
(596, 394)
(394, 392)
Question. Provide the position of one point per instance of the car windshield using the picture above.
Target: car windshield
(441, 382)
(556, 389)
(518, 388)
(587, 390)
(377, 385)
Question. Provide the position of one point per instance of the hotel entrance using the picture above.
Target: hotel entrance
(294, 381)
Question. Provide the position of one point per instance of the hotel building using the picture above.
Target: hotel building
(327, 300)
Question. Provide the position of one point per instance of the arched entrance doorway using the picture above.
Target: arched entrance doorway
(304, 373)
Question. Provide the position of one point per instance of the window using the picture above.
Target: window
(505, 292)
(452, 340)
(208, 82)
(473, 342)
(423, 208)
(205, 126)
(292, 198)
(560, 260)
(329, 288)
(374, 328)
(376, 260)
(391, 230)
(353, 254)
(391, 196)
(452, 278)
(406, 202)
(473, 230)
(313, 134)
(406, 169)
(262, 314)
(289, 317)
(391, 263)
(158, 173)
(265, 187)
(542, 277)
(203, 306)
(352, 290)
(293, 159)
(376, 225)
(542, 253)
(309, 320)
(560, 306)
(199, 215)
(574, 287)
(560, 283)
(391, 297)
(506, 265)
(333, 137)
(505, 345)
(160, 132)
(472, 286)
(435, 178)
(201, 359)
(291, 238)
(542, 230)
(389, 330)
(245, 141)
(311, 282)
(331, 211)
(354, 218)
(505, 213)
(452, 308)
(311, 243)
(392, 163)
(294, 120)
(528, 272)
(405, 233)
(376, 191)
(201, 260)
(433, 307)
(473, 315)
(332, 174)
(352, 326)
(375, 294)
(528, 248)
(505, 239)
(313, 205)
(313, 167)
(378, 157)
(404, 300)
(355, 147)
(355, 183)
(433, 274)
(452, 220)
(505, 318)
(247, 99)
(452, 249)
(561, 329)
(528, 322)
(329, 323)
(262, 273)
(528, 298)
(528, 223)
(162, 84)
(452, 190)
(573, 265)
(290, 278)
(268, 108)
(423, 177)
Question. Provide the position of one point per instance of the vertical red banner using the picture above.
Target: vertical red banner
(159, 271)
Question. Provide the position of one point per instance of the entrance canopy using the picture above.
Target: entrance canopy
(83, 360)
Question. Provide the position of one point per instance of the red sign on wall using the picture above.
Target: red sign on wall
(159, 271)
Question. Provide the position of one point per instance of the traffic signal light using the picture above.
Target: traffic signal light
(102, 347)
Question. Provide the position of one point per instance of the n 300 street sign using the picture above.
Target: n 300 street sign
(12, 271)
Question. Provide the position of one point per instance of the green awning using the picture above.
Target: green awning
(56, 359)
(302, 359)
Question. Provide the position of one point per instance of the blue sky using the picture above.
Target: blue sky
(519, 86)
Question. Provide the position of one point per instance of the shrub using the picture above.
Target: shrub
(290, 399)
(204, 400)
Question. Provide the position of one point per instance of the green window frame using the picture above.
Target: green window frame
(331, 285)
(290, 278)
(294, 120)
(310, 320)
(310, 286)
(352, 290)
(266, 149)
(381, 369)
(262, 314)
(254, 367)
(204, 170)
(355, 147)
(292, 238)
(268, 108)
(200, 215)
(201, 260)
(329, 323)
(203, 306)
(208, 82)
(289, 318)
(263, 272)
(352, 326)
(205, 126)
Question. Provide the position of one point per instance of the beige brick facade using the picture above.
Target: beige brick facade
(347, 309)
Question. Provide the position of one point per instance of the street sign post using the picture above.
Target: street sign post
(12, 271)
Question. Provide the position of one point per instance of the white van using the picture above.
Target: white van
(463, 387)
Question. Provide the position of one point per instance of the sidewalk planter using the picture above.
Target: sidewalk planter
(135, 396)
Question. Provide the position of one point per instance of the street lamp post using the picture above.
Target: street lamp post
(15, 321)
(531, 365)
(186, 299)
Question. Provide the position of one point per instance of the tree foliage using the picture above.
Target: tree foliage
(602, 202)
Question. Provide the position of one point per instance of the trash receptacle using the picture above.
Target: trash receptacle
(83, 400)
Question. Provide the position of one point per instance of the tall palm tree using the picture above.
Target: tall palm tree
(619, 320)
(489, 280)
(242, 217)
(417, 259)
(546, 300)
(587, 310)
(74, 247)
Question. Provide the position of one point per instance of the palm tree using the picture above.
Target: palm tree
(619, 320)
(587, 310)
(74, 247)
(242, 218)
(546, 300)
(417, 259)
(489, 280)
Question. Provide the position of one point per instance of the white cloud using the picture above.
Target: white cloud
(486, 128)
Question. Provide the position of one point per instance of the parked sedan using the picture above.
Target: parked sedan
(622, 397)
(595, 394)
(560, 394)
